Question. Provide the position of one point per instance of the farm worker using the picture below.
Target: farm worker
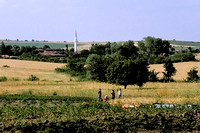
(119, 93)
(113, 94)
(105, 98)
(99, 95)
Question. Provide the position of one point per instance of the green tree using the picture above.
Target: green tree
(127, 72)
(98, 49)
(169, 71)
(46, 47)
(153, 76)
(154, 47)
(96, 67)
(193, 75)
(2, 48)
(128, 49)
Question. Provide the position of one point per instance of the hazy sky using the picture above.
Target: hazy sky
(99, 20)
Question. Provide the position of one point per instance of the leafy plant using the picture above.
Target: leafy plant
(3, 78)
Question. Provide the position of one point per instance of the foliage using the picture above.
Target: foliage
(3, 78)
(46, 47)
(32, 78)
(153, 76)
(43, 58)
(127, 72)
(193, 75)
(154, 47)
(169, 71)
(96, 67)
(29, 113)
(182, 56)
(127, 50)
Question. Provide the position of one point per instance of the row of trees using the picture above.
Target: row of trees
(121, 63)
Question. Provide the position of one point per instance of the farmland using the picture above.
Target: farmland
(186, 43)
(27, 113)
(57, 102)
(81, 45)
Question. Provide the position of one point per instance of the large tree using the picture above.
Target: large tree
(127, 72)
(154, 47)
(96, 67)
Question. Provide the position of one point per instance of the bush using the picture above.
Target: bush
(3, 78)
(6, 66)
(181, 57)
(32, 78)
(153, 76)
(193, 75)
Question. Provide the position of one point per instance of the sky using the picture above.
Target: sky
(99, 20)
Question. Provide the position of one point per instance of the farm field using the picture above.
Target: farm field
(186, 43)
(59, 103)
(62, 45)
(51, 82)
(29, 113)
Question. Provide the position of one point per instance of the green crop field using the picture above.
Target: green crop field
(29, 113)
(186, 43)
(41, 44)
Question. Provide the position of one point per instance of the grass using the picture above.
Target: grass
(56, 83)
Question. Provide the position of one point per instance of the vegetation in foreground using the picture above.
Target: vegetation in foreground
(28, 113)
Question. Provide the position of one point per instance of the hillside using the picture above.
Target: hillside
(87, 45)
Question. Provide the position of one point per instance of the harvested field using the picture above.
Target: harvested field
(20, 69)
(182, 69)
(17, 71)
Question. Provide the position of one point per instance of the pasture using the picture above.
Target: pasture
(63, 85)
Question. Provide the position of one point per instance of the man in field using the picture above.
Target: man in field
(99, 95)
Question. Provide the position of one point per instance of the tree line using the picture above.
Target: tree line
(120, 63)
(125, 64)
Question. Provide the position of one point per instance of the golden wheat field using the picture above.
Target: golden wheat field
(51, 82)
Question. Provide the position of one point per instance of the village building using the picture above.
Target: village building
(52, 52)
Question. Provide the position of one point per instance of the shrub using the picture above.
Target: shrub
(193, 75)
(3, 78)
(32, 78)
(6, 66)
(55, 94)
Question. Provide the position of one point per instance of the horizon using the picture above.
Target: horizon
(100, 20)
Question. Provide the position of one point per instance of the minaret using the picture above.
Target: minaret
(75, 42)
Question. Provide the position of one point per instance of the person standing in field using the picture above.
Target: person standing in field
(99, 95)
(113, 94)
(119, 93)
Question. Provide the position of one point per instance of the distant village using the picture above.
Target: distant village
(53, 52)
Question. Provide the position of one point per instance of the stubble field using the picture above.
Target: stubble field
(62, 85)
